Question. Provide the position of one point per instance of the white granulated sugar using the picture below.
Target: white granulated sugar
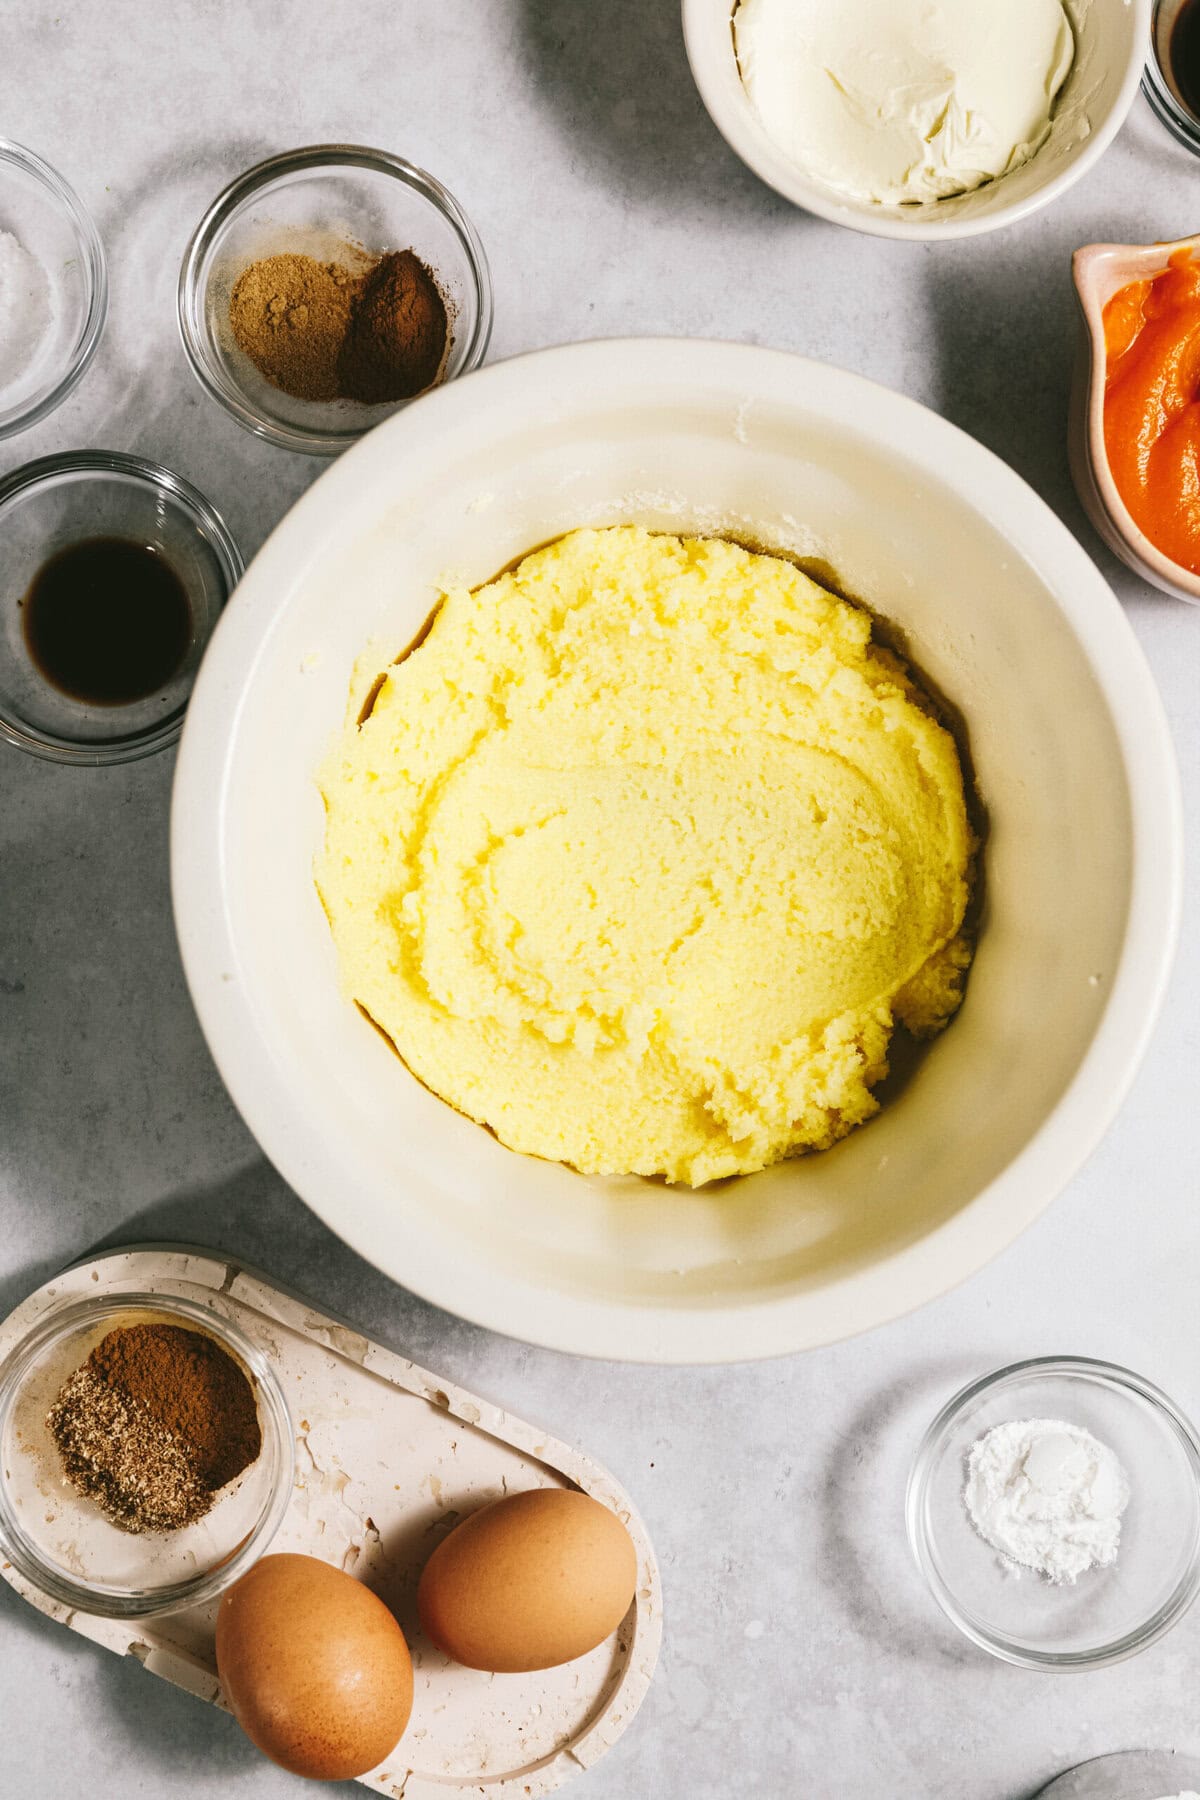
(25, 308)
(1048, 1496)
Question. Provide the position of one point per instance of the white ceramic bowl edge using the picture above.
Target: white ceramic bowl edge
(1074, 761)
(1111, 38)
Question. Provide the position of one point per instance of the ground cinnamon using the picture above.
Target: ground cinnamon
(329, 330)
(155, 1422)
(397, 335)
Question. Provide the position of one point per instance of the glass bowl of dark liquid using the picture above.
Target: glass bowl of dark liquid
(1172, 80)
(114, 574)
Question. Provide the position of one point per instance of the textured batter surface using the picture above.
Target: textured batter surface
(639, 857)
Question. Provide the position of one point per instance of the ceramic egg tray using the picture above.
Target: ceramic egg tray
(388, 1458)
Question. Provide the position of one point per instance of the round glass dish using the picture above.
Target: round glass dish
(1126, 1775)
(48, 220)
(315, 202)
(1158, 81)
(1108, 1614)
(61, 1542)
(59, 500)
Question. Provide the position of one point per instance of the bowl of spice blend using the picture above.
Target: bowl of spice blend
(53, 288)
(145, 1455)
(326, 288)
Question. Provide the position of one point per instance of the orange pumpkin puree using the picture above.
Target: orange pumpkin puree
(1152, 405)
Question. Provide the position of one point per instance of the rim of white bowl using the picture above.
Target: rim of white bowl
(708, 39)
(980, 1230)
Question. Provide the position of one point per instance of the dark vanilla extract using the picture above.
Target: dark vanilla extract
(107, 621)
(1183, 52)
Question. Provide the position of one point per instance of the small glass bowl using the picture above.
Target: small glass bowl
(47, 218)
(1126, 1775)
(1110, 1613)
(1158, 81)
(315, 202)
(103, 493)
(61, 1542)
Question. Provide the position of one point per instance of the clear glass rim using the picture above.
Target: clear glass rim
(1166, 108)
(45, 472)
(113, 1601)
(95, 275)
(263, 175)
(1156, 86)
(996, 1643)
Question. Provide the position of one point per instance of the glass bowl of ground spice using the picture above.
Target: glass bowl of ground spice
(327, 288)
(146, 1455)
(53, 288)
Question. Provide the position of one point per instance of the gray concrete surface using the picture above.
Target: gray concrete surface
(802, 1655)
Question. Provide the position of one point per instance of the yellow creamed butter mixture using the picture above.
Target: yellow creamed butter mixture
(641, 856)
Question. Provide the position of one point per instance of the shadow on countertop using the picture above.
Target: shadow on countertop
(151, 1727)
(618, 76)
(254, 1218)
(870, 1574)
(1002, 324)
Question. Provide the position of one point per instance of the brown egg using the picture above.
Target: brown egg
(528, 1582)
(315, 1668)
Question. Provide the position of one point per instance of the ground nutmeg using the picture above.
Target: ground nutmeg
(154, 1424)
(290, 314)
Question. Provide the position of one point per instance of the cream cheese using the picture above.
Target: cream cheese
(898, 101)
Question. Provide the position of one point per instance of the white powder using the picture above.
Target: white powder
(1048, 1496)
(25, 308)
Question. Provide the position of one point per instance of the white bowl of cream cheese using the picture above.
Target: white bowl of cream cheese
(1003, 613)
(908, 119)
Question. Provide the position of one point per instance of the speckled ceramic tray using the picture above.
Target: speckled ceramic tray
(388, 1457)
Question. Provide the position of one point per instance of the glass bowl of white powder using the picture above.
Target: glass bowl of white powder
(53, 288)
(1054, 1509)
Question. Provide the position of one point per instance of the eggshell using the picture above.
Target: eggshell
(529, 1582)
(314, 1666)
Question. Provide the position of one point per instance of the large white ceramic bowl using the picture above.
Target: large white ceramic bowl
(1007, 616)
(1112, 39)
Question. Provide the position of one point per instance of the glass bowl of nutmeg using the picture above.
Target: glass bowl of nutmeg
(327, 288)
(146, 1454)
